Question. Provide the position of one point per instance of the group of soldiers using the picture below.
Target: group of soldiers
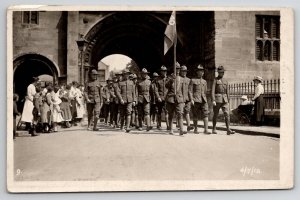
(129, 99)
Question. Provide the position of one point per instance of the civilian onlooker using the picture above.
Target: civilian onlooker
(258, 99)
(245, 100)
(15, 113)
(65, 106)
(73, 95)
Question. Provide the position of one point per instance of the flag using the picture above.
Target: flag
(170, 33)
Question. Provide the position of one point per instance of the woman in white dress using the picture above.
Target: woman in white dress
(80, 102)
(259, 103)
(56, 111)
(27, 115)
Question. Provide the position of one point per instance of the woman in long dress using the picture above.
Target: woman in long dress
(65, 106)
(80, 102)
(46, 110)
(56, 111)
(259, 101)
(27, 115)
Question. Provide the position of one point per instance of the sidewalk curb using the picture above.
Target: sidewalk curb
(246, 132)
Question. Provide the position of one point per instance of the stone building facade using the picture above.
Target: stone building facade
(44, 42)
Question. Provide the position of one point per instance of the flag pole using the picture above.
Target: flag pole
(175, 44)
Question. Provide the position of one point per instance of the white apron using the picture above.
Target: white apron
(27, 115)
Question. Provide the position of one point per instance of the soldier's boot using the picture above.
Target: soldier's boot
(188, 121)
(158, 125)
(214, 131)
(140, 123)
(170, 124)
(168, 121)
(227, 122)
(95, 124)
(180, 123)
(118, 119)
(128, 119)
(205, 121)
(33, 131)
(196, 126)
(148, 122)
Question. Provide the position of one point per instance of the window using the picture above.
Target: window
(30, 17)
(267, 38)
(101, 75)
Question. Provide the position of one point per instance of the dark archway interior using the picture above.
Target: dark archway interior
(26, 67)
(140, 36)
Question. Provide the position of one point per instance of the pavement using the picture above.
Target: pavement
(76, 154)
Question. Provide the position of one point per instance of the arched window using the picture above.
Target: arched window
(259, 46)
(267, 50)
(276, 52)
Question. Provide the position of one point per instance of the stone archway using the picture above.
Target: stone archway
(31, 65)
(138, 35)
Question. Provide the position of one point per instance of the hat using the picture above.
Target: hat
(183, 68)
(221, 69)
(94, 72)
(118, 73)
(35, 79)
(155, 74)
(163, 68)
(126, 71)
(132, 76)
(200, 67)
(144, 71)
(109, 79)
(259, 78)
(177, 65)
(244, 97)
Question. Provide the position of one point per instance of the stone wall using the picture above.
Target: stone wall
(47, 38)
(235, 47)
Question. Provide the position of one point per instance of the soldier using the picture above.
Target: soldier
(126, 94)
(93, 99)
(153, 105)
(106, 100)
(116, 102)
(134, 115)
(197, 93)
(220, 99)
(175, 101)
(186, 97)
(143, 90)
(160, 93)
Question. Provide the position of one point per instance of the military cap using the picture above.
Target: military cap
(177, 65)
(94, 72)
(132, 76)
(163, 68)
(109, 79)
(126, 71)
(258, 78)
(221, 69)
(200, 67)
(145, 71)
(155, 74)
(183, 68)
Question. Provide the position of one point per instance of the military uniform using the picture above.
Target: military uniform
(161, 93)
(220, 97)
(115, 105)
(126, 94)
(143, 97)
(134, 113)
(186, 97)
(106, 101)
(197, 93)
(154, 101)
(94, 99)
(175, 101)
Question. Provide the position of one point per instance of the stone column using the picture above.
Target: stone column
(72, 52)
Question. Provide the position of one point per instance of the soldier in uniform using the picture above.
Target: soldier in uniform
(186, 97)
(153, 105)
(116, 103)
(197, 93)
(106, 99)
(160, 93)
(93, 99)
(126, 94)
(220, 99)
(175, 101)
(134, 115)
(143, 96)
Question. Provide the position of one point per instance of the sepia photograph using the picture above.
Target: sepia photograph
(149, 99)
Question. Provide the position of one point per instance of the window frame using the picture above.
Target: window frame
(270, 39)
(29, 23)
